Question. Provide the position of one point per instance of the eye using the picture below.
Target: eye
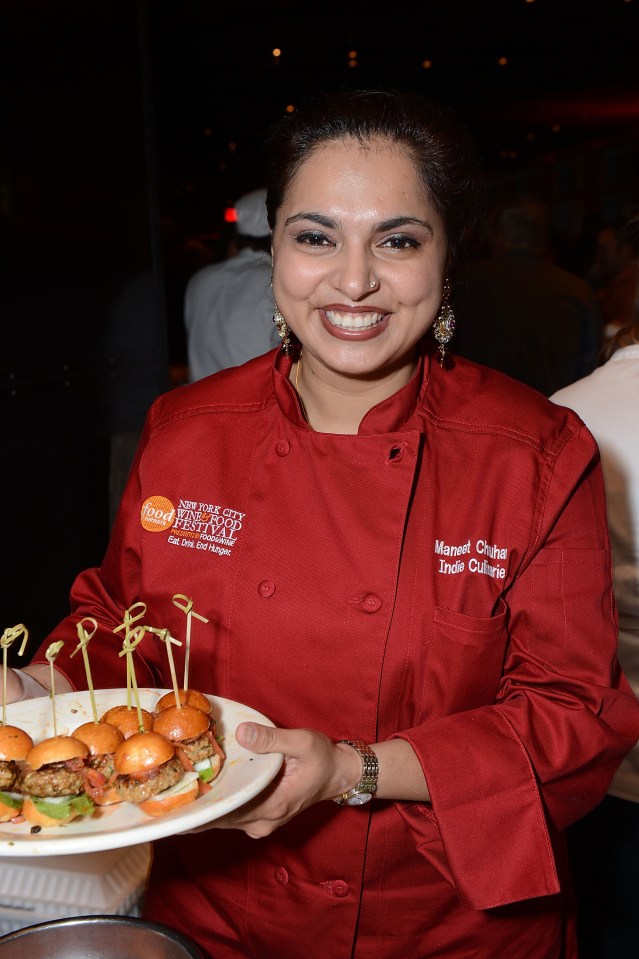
(313, 238)
(400, 241)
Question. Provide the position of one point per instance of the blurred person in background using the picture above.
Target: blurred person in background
(228, 306)
(604, 846)
(522, 314)
(615, 277)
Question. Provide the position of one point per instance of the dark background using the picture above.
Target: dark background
(128, 126)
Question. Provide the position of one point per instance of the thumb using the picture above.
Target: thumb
(257, 738)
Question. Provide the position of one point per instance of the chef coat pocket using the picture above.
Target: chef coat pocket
(465, 660)
(424, 831)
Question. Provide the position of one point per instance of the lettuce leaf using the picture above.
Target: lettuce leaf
(81, 805)
(55, 810)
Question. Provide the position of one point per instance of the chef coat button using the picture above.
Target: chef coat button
(340, 888)
(266, 588)
(371, 602)
(281, 876)
(282, 448)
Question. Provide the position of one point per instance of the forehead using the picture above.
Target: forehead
(348, 170)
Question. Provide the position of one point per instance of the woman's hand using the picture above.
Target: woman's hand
(314, 769)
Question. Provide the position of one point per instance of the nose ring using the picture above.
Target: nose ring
(373, 284)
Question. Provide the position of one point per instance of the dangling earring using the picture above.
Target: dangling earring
(444, 325)
(283, 332)
(282, 329)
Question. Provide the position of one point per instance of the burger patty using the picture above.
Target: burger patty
(197, 749)
(9, 775)
(137, 790)
(55, 779)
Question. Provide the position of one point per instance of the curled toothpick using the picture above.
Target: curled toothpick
(131, 615)
(84, 636)
(169, 641)
(51, 653)
(131, 641)
(7, 639)
(186, 605)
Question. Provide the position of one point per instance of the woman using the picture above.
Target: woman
(406, 555)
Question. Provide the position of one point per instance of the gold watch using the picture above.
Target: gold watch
(363, 791)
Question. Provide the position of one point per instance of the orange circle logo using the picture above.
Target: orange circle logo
(157, 513)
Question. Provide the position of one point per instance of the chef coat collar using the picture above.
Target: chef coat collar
(389, 416)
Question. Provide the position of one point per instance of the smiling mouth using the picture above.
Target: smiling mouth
(353, 321)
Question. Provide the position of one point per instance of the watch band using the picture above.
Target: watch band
(367, 785)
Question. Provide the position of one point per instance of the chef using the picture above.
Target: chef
(404, 563)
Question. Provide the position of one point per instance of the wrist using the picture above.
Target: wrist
(349, 770)
(365, 786)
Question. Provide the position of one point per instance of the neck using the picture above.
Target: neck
(333, 403)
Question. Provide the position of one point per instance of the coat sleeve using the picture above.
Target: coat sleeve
(506, 778)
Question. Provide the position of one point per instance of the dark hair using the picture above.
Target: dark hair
(439, 146)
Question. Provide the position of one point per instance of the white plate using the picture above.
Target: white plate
(243, 776)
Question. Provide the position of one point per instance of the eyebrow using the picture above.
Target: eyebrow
(314, 218)
(399, 221)
(393, 224)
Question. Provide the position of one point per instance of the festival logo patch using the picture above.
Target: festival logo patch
(210, 527)
(157, 514)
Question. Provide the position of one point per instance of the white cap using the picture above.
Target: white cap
(251, 214)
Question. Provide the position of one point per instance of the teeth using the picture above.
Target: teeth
(354, 321)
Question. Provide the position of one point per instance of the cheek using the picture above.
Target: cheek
(298, 277)
(420, 291)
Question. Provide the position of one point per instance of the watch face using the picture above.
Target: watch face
(359, 799)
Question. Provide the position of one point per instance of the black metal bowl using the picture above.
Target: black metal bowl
(98, 937)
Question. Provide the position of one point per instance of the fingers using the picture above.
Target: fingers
(293, 743)
(260, 739)
(309, 774)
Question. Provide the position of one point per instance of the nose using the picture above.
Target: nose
(354, 275)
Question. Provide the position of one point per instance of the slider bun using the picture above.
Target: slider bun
(7, 812)
(109, 797)
(177, 796)
(181, 722)
(188, 697)
(142, 752)
(99, 737)
(126, 719)
(33, 815)
(15, 744)
(56, 749)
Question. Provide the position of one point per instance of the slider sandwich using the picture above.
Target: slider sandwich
(53, 782)
(151, 776)
(15, 746)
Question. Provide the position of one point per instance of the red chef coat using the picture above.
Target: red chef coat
(443, 576)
